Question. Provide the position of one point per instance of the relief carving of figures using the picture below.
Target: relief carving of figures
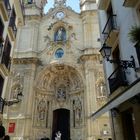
(61, 93)
(60, 34)
(45, 81)
(77, 110)
(17, 86)
(41, 112)
(76, 81)
(41, 109)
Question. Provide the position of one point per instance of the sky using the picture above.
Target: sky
(74, 4)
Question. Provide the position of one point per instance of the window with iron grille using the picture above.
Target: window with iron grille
(6, 53)
(12, 22)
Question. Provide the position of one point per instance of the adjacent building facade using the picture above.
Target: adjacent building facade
(116, 19)
(11, 16)
(56, 66)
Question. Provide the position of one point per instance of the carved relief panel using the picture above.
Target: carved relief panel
(63, 86)
(17, 85)
(41, 112)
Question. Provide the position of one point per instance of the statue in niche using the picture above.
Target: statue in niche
(77, 109)
(61, 93)
(76, 81)
(60, 34)
(41, 109)
(101, 89)
(17, 86)
(45, 80)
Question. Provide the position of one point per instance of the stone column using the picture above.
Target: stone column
(117, 125)
(90, 28)
(24, 121)
(90, 94)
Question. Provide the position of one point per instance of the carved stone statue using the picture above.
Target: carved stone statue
(78, 109)
(41, 110)
(17, 86)
(61, 94)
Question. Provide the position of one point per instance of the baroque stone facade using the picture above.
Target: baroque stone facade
(57, 67)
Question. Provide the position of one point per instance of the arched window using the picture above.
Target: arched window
(60, 34)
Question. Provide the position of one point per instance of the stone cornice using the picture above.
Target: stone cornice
(86, 57)
(33, 17)
(31, 60)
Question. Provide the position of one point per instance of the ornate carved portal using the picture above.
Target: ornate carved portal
(58, 87)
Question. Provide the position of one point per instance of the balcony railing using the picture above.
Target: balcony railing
(117, 79)
(110, 25)
(6, 60)
(7, 6)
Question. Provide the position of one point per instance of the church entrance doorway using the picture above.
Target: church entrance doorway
(61, 122)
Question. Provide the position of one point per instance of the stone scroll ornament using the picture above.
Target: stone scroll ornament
(17, 86)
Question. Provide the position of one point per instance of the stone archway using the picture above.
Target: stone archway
(58, 86)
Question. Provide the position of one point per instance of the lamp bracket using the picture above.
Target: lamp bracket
(124, 63)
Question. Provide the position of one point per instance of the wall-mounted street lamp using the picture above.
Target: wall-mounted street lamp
(4, 102)
(106, 53)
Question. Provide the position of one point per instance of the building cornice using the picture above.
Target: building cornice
(31, 60)
(86, 57)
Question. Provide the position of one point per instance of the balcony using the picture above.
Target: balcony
(7, 6)
(5, 9)
(13, 25)
(19, 9)
(117, 79)
(6, 54)
(12, 29)
(130, 3)
(110, 31)
(103, 4)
